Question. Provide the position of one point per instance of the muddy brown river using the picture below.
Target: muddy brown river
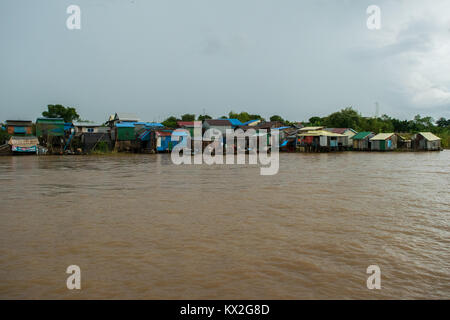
(141, 227)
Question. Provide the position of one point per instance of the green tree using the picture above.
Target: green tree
(315, 121)
(170, 122)
(442, 122)
(59, 111)
(243, 116)
(204, 117)
(346, 118)
(277, 118)
(188, 117)
(4, 136)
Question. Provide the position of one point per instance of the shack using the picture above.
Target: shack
(51, 134)
(163, 140)
(85, 127)
(384, 142)
(348, 132)
(220, 124)
(19, 127)
(320, 140)
(23, 144)
(361, 140)
(50, 127)
(426, 141)
(188, 125)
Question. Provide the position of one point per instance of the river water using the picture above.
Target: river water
(140, 227)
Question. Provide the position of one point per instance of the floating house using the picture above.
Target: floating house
(85, 127)
(51, 134)
(307, 129)
(122, 118)
(50, 127)
(90, 135)
(23, 144)
(189, 125)
(361, 140)
(426, 141)
(19, 127)
(124, 131)
(163, 140)
(348, 132)
(220, 124)
(320, 140)
(384, 142)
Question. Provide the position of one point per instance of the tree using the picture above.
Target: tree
(243, 116)
(315, 121)
(442, 122)
(346, 118)
(170, 122)
(4, 136)
(188, 117)
(59, 111)
(204, 117)
(277, 118)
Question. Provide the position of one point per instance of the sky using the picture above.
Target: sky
(157, 58)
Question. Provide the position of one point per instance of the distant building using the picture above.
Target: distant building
(23, 144)
(384, 142)
(53, 127)
(426, 141)
(189, 126)
(220, 124)
(320, 140)
(361, 140)
(306, 129)
(348, 132)
(121, 118)
(19, 127)
(84, 127)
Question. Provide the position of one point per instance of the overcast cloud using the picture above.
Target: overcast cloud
(159, 58)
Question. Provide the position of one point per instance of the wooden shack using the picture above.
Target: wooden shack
(361, 140)
(23, 144)
(426, 141)
(19, 127)
(320, 141)
(384, 142)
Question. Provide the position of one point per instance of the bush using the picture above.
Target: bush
(101, 147)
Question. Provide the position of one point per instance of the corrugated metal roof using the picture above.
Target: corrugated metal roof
(185, 123)
(382, 136)
(235, 122)
(153, 124)
(361, 135)
(340, 130)
(50, 120)
(218, 122)
(86, 124)
(251, 121)
(281, 128)
(163, 133)
(429, 136)
(311, 128)
(126, 117)
(319, 133)
(23, 142)
(125, 125)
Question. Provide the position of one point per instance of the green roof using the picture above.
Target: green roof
(361, 135)
(50, 120)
